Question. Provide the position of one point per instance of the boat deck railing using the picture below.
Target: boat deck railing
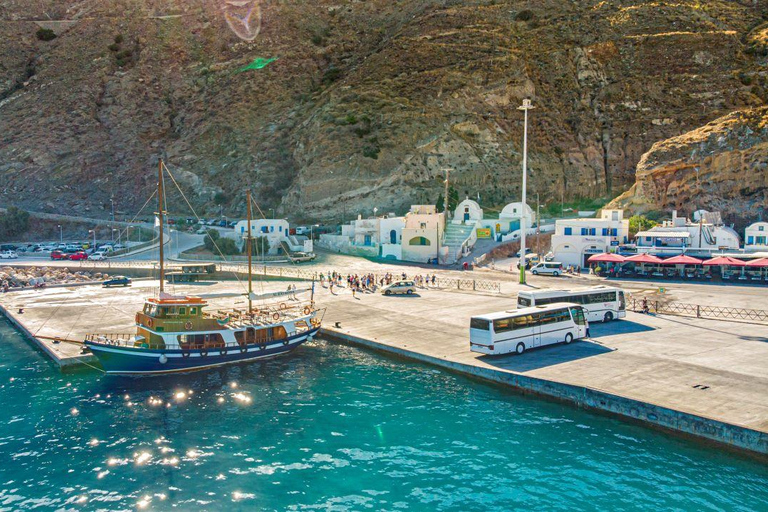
(129, 340)
(265, 315)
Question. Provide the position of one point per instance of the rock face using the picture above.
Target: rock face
(367, 102)
(722, 166)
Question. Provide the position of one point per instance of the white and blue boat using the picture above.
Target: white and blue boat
(175, 334)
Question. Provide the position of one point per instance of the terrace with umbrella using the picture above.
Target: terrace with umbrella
(611, 261)
(724, 262)
(682, 261)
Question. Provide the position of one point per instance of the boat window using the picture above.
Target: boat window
(192, 311)
(182, 311)
(279, 332)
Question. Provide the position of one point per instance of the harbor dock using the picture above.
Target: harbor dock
(705, 378)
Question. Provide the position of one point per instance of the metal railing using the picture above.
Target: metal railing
(699, 311)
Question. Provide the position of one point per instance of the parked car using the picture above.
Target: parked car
(78, 256)
(97, 256)
(8, 255)
(222, 223)
(527, 251)
(7, 247)
(201, 231)
(554, 268)
(58, 255)
(399, 287)
(119, 246)
(201, 222)
(117, 281)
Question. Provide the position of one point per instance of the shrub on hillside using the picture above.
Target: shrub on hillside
(45, 34)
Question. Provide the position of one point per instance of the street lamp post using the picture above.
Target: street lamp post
(61, 234)
(113, 234)
(271, 213)
(94, 237)
(525, 107)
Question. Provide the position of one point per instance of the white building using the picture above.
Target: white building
(575, 240)
(467, 212)
(517, 211)
(756, 237)
(681, 235)
(276, 232)
(423, 235)
(391, 237)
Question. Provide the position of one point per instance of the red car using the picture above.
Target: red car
(79, 255)
(58, 255)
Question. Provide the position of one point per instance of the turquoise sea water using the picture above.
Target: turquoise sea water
(335, 428)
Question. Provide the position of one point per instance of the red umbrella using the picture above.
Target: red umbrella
(682, 259)
(606, 258)
(762, 262)
(723, 261)
(644, 258)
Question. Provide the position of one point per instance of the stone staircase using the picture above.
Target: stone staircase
(455, 236)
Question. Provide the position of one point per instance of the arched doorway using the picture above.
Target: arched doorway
(393, 236)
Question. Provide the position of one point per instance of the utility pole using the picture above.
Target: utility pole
(445, 200)
(538, 225)
(525, 107)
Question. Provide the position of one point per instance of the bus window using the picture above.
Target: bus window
(502, 325)
(523, 301)
(521, 322)
(479, 323)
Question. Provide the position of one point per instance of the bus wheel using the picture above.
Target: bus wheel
(568, 338)
(520, 348)
(608, 317)
(555, 273)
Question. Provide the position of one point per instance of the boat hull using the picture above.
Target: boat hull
(118, 360)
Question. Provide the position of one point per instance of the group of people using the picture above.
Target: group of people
(370, 282)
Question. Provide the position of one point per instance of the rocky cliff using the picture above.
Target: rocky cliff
(367, 102)
(722, 166)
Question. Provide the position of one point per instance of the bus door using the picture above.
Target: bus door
(580, 319)
(533, 322)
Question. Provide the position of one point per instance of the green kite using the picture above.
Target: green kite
(258, 63)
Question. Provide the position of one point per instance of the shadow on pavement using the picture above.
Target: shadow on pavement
(549, 355)
(617, 327)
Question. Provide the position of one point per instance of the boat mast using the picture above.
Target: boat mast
(248, 250)
(160, 219)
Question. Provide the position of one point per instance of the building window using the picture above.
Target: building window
(280, 228)
(592, 231)
(750, 240)
(584, 231)
(271, 229)
(606, 231)
(423, 225)
(263, 229)
(614, 232)
(761, 228)
(761, 240)
(568, 231)
(419, 240)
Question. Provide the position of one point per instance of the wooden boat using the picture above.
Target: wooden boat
(176, 333)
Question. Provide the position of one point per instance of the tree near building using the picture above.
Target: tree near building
(639, 223)
(13, 223)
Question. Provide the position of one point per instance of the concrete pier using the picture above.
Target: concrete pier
(705, 378)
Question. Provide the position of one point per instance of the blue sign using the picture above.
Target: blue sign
(614, 243)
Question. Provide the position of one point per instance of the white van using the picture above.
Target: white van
(554, 268)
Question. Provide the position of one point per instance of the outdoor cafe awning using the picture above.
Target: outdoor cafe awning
(762, 262)
(644, 258)
(664, 234)
(724, 261)
(606, 258)
(682, 259)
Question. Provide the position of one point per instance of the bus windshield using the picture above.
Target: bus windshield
(578, 316)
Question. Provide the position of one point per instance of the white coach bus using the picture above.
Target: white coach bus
(518, 330)
(603, 303)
